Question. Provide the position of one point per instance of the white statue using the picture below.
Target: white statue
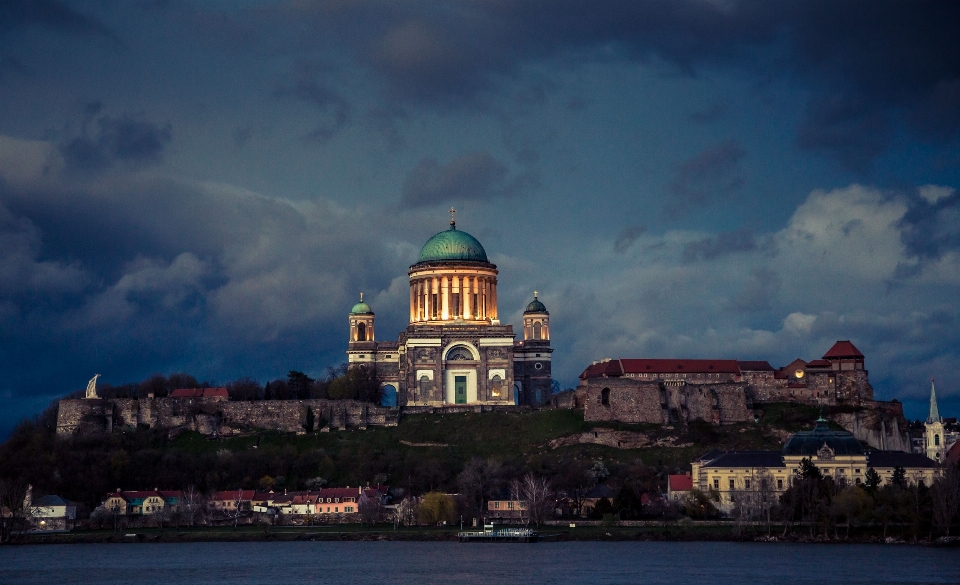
(92, 387)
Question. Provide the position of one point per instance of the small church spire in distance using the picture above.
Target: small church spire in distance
(934, 416)
(453, 221)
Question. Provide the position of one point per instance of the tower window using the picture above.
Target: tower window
(537, 330)
(605, 397)
(936, 440)
(361, 332)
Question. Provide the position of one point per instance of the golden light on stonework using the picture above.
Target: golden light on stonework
(798, 374)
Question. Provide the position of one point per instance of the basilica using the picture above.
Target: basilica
(455, 350)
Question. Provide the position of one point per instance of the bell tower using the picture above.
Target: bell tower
(536, 321)
(361, 322)
(532, 370)
(933, 429)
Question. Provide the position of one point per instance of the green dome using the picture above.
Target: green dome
(535, 306)
(361, 308)
(452, 244)
(810, 442)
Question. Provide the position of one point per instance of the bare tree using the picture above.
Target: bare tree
(945, 496)
(192, 505)
(13, 494)
(404, 512)
(371, 510)
(536, 495)
(479, 479)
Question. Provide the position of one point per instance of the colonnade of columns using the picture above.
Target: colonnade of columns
(454, 296)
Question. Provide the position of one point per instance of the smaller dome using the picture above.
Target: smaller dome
(361, 308)
(810, 442)
(535, 306)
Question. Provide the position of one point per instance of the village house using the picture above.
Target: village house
(52, 513)
(142, 503)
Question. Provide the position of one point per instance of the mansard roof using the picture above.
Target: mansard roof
(734, 459)
(843, 349)
(810, 442)
(899, 459)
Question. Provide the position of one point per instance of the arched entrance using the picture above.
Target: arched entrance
(389, 395)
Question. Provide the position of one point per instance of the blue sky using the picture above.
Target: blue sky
(206, 186)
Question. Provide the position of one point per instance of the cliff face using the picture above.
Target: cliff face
(880, 424)
(215, 416)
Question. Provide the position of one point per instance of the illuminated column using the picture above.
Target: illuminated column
(413, 301)
(466, 296)
(493, 295)
(445, 301)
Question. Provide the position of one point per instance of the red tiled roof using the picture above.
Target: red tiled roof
(347, 492)
(680, 483)
(755, 366)
(953, 455)
(664, 366)
(818, 364)
(843, 349)
(245, 495)
(199, 393)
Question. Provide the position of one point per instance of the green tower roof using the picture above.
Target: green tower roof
(452, 244)
(361, 308)
(535, 306)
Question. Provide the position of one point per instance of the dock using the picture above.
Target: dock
(491, 533)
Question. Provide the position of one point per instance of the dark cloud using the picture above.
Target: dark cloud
(723, 244)
(758, 292)
(849, 128)
(708, 176)
(49, 14)
(335, 111)
(123, 139)
(885, 58)
(475, 175)
(627, 237)
(709, 115)
(930, 228)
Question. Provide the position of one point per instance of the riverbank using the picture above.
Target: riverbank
(669, 532)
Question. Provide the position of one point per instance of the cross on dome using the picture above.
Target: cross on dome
(453, 220)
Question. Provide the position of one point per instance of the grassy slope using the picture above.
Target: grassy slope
(84, 468)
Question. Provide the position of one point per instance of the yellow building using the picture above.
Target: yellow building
(838, 454)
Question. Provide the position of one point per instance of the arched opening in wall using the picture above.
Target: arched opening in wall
(389, 397)
(936, 440)
(605, 397)
(361, 331)
(496, 386)
(516, 393)
(459, 353)
(537, 330)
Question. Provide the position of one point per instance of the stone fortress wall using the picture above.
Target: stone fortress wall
(215, 416)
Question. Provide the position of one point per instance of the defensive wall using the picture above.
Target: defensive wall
(216, 416)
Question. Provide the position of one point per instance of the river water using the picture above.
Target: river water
(422, 563)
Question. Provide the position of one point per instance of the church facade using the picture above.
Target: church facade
(455, 350)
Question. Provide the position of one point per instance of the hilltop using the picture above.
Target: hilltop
(423, 452)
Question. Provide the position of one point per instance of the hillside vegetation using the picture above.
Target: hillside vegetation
(423, 453)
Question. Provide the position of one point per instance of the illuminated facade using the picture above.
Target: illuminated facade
(455, 351)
